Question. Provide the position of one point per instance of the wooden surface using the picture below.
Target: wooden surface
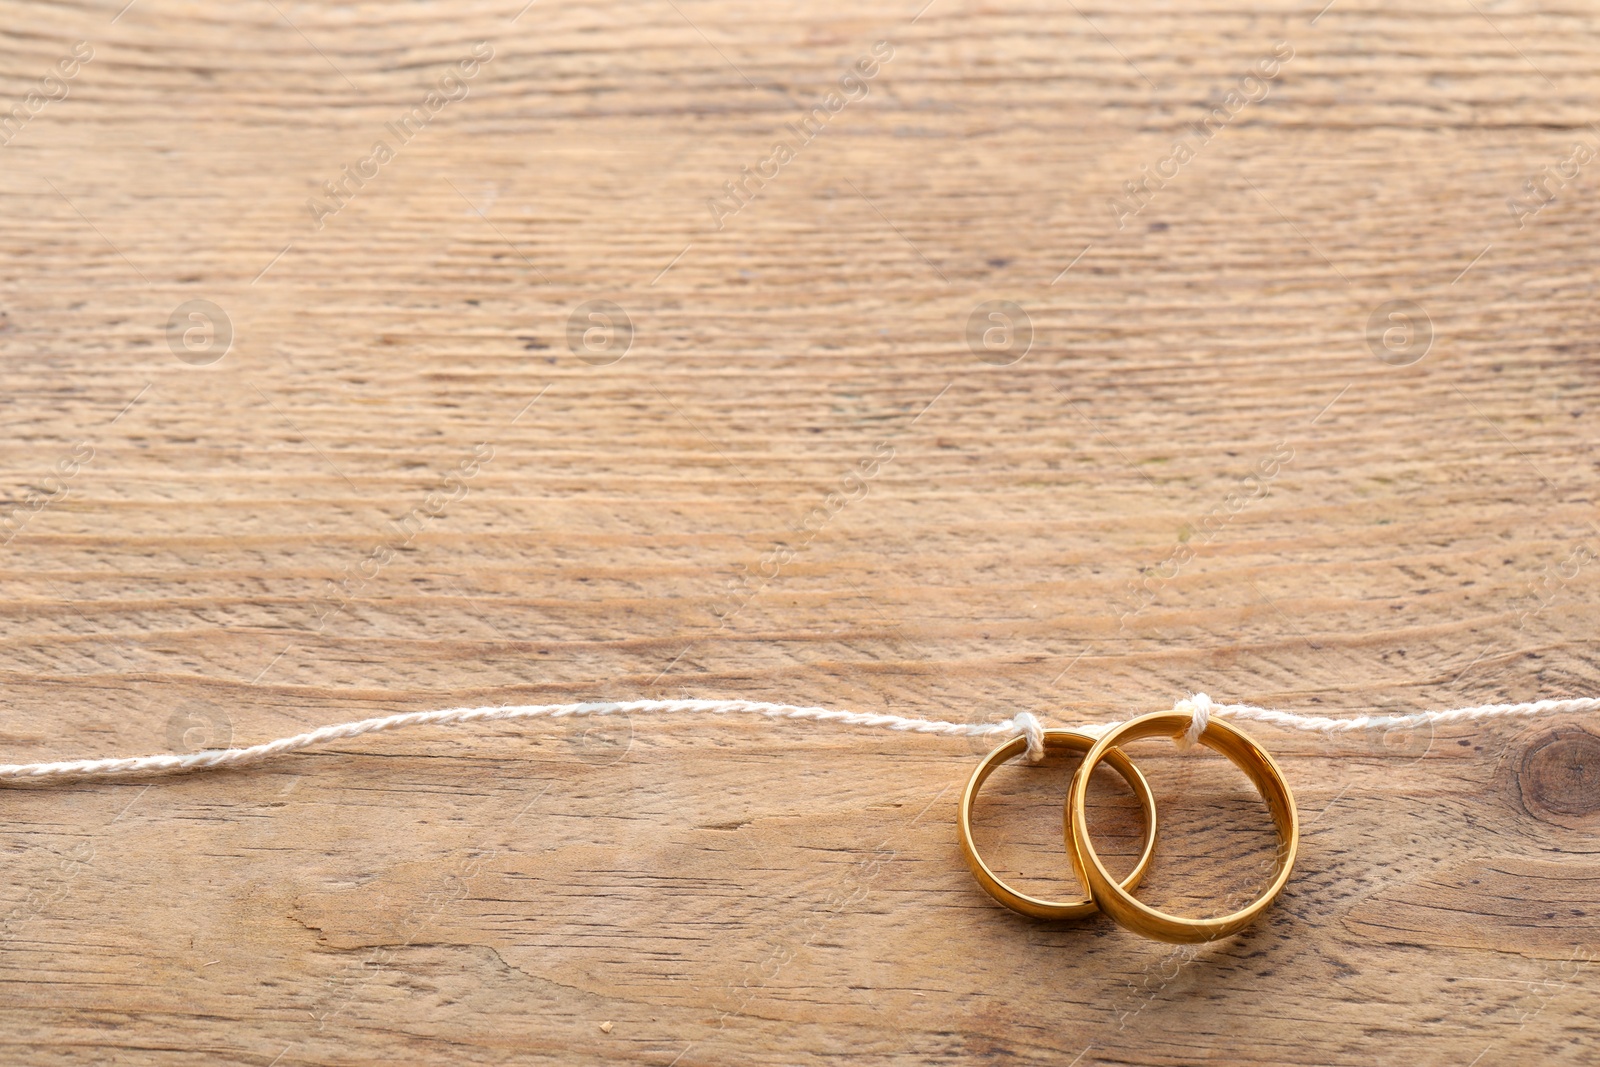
(203, 550)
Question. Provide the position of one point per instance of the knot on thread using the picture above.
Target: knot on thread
(1198, 708)
(1028, 725)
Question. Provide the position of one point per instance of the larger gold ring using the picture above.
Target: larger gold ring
(1114, 899)
(1022, 902)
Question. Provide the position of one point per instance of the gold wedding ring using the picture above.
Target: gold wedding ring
(1054, 739)
(1114, 899)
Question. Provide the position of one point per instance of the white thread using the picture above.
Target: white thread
(1198, 707)
(1028, 725)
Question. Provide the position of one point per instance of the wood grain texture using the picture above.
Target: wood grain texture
(800, 483)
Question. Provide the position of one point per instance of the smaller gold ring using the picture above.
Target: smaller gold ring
(1022, 902)
(1115, 900)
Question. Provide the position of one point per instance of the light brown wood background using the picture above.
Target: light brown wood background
(733, 892)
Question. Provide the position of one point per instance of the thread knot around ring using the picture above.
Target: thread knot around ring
(1198, 707)
(1028, 725)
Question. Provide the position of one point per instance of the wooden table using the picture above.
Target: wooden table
(1066, 361)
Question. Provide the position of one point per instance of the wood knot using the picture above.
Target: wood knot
(1560, 775)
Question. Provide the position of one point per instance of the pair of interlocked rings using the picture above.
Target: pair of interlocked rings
(1105, 893)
